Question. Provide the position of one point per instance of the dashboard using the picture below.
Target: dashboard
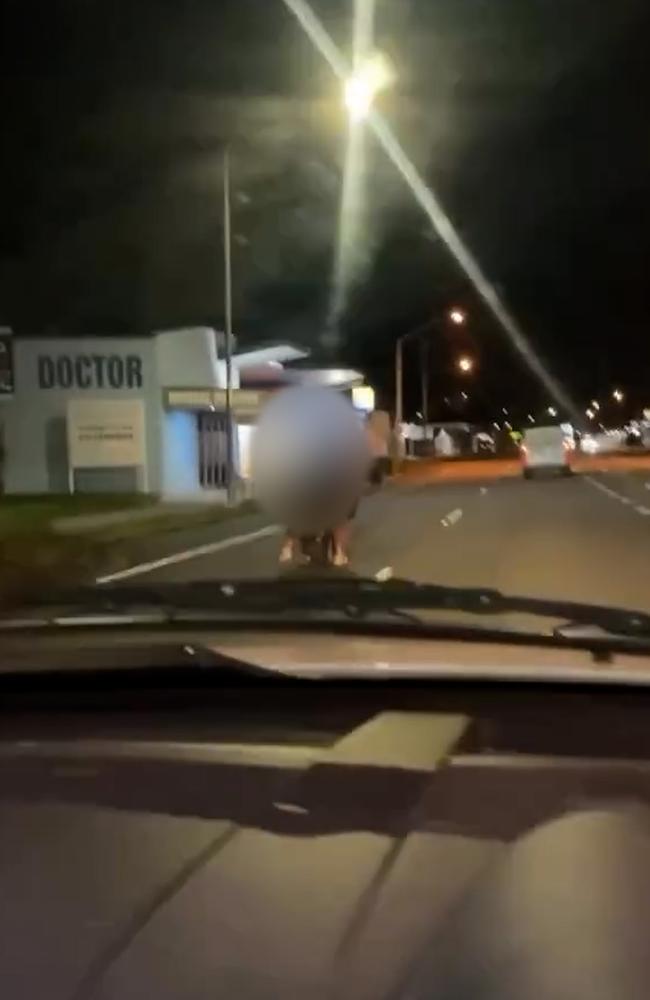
(178, 831)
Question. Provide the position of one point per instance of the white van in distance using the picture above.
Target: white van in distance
(545, 450)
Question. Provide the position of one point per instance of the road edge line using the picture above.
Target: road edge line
(186, 554)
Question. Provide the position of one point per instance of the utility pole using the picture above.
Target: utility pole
(424, 376)
(455, 316)
(227, 267)
(399, 415)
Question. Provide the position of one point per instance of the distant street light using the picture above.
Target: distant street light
(418, 332)
(590, 413)
(374, 74)
(465, 364)
(595, 405)
(531, 418)
(552, 412)
(618, 395)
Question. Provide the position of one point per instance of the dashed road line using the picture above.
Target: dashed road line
(639, 508)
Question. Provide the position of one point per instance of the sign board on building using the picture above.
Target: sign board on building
(363, 398)
(89, 371)
(105, 433)
(6, 362)
(245, 402)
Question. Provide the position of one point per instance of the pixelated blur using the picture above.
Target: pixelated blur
(310, 459)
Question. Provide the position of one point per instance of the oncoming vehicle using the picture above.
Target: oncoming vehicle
(545, 450)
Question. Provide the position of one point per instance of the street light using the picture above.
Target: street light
(552, 412)
(595, 405)
(374, 74)
(618, 395)
(590, 413)
(465, 364)
(399, 364)
(457, 316)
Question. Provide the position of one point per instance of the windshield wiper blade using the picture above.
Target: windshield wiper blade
(354, 597)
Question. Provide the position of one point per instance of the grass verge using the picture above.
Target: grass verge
(34, 559)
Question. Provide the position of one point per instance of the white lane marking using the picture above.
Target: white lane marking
(603, 487)
(640, 509)
(187, 554)
(483, 490)
(385, 574)
(451, 518)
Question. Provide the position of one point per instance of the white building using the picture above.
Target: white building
(137, 414)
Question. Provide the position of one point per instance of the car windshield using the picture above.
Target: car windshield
(340, 291)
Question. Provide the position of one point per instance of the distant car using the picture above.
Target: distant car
(545, 450)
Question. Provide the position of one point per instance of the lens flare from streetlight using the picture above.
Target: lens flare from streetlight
(465, 364)
(431, 206)
(457, 316)
(373, 75)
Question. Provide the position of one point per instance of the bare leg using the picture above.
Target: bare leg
(342, 543)
(288, 548)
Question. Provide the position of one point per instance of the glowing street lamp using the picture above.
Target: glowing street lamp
(373, 75)
(595, 405)
(618, 395)
(464, 363)
(552, 412)
(590, 413)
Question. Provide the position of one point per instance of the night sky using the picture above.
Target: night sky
(528, 117)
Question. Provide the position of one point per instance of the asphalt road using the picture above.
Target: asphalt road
(585, 538)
